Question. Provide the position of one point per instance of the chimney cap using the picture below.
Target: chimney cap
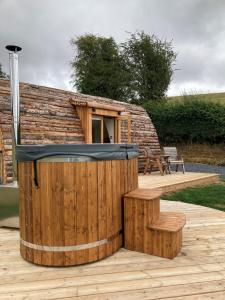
(13, 48)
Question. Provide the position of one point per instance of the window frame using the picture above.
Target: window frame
(86, 114)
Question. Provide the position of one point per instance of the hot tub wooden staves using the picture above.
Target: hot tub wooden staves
(74, 216)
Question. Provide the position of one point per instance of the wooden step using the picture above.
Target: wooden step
(169, 221)
(144, 194)
(146, 229)
(141, 208)
(166, 234)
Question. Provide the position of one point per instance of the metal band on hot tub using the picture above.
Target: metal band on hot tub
(69, 248)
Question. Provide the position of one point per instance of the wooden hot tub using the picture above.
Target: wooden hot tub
(71, 200)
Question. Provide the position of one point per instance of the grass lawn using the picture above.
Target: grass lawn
(211, 196)
(217, 97)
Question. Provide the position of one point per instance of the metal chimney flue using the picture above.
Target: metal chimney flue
(15, 102)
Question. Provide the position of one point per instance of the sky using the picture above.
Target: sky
(44, 29)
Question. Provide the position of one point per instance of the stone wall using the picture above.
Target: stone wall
(47, 116)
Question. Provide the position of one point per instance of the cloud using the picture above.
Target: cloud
(44, 29)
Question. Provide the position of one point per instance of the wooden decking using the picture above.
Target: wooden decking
(197, 273)
(176, 181)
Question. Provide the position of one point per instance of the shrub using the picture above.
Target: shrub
(190, 120)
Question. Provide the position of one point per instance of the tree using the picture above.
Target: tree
(149, 62)
(2, 74)
(136, 71)
(98, 68)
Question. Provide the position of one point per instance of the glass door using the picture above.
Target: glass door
(103, 129)
(96, 130)
(108, 130)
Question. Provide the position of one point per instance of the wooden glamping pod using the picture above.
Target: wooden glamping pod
(71, 200)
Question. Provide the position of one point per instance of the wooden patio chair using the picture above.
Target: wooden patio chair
(173, 158)
(154, 161)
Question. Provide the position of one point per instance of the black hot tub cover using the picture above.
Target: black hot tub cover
(94, 151)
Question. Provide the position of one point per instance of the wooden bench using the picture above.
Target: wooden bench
(148, 230)
(154, 161)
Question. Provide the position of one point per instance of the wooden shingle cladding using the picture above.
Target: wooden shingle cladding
(48, 117)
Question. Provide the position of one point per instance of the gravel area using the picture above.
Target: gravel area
(201, 168)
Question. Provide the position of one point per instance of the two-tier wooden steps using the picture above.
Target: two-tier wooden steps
(148, 230)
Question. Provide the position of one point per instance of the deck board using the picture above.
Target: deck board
(176, 181)
(197, 273)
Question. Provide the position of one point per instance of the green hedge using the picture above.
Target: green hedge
(188, 121)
